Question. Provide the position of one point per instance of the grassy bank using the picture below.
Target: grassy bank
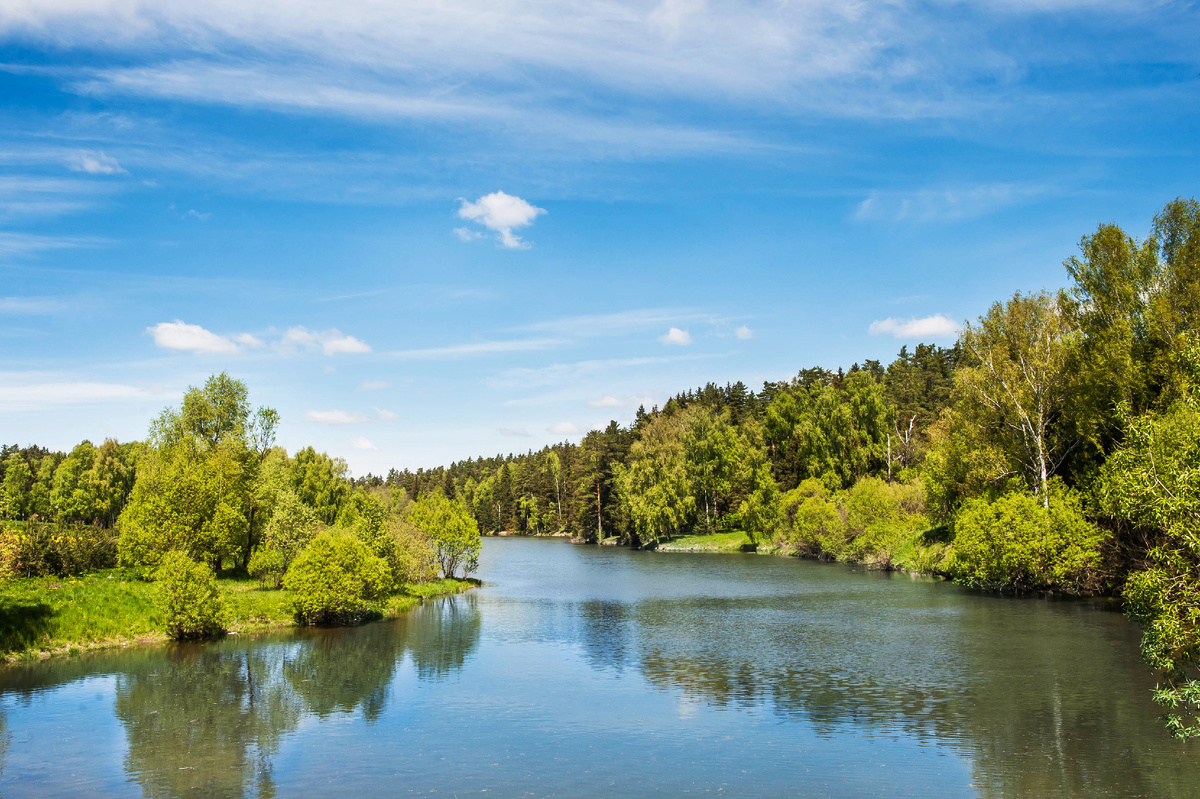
(40, 616)
(734, 541)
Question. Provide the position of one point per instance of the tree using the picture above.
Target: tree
(452, 529)
(17, 492)
(710, 448)
(1018, 384)
(654, 483)
(192, 605)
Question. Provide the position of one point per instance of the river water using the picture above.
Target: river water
(585, 671)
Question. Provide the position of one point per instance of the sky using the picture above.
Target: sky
(425, 231)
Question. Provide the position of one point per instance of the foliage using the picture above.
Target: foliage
(334, 580)
(192, 606)
(654, 484)
(268, 565)
(41, 549)
(452, 530)
(1018, 542)
(293, 524)
(1152, 483)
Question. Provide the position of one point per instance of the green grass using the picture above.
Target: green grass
(47, 615)
(717, 542)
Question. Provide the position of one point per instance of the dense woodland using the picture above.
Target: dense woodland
(1055, 446)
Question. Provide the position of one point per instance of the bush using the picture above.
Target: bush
(1016, 542)
(868, 522)
(334, 580)
(61, 549)
(192, 606)
(268, 566)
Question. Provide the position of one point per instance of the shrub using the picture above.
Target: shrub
(1016, 542)
(416, 557)
(10, 549)
(62, 549)
(268, 565)
(334, 580)
(192, 606)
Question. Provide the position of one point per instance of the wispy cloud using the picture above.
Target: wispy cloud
(572, 373)
(607, 401)
(329, 342)
(94, 162)
(947, 203)
(32, 305)
(335, 417)
(513, 432)
(43, 396)
(563, 429)
(474, 348)
(502, 214)
(28, 243)
(933, 327)
(363, 443)
(372, 385)
(613, 324)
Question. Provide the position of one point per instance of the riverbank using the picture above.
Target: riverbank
(45, 616)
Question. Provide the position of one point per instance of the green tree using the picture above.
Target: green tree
(654, 483)
(70, 497)
(320, 482)
(17, 492)
(452, 529)
(1019, 386)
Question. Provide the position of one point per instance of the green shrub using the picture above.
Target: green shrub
(62, 549)
(191, 603)
(812, 524)
(268, 566)
(334, 580)
(1016, 542)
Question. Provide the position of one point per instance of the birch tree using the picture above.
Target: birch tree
(1019, 385)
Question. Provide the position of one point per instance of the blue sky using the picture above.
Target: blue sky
(431, 230)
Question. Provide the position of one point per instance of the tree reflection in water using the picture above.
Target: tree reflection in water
(442, 635)
(207, 722)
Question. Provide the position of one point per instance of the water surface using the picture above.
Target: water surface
(584, 671)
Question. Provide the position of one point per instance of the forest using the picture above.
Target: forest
(1054, 447)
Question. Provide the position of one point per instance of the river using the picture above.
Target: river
(598, 671)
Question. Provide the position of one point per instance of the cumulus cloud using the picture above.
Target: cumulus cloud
(372, 385)
(334, 417)
(330, 342)
(362, 442)
(94, 162)
(938, 326)
(676, 337)
(183, 337)
(514, 432)
(607, 401)
(744, 333)
(501, 213)
(386, 416)
(563, 429)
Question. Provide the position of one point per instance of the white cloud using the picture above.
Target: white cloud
(39, 396)
(247, 340)
(677, 337)
(563, 429)
(514, 432)
(744, 333)
(194, 214)
(938, 326)
(500, 213)
(466, 234)
(94, 162)
(362, 443)
(179, 335)
(386, 416)
(31, 305)
(334, 417)
(330, 342)
(607, 401)
(475, 348)
(613, 324)
(947, 203)
(372, 385)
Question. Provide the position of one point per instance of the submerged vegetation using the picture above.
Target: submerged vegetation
(1055, 446)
